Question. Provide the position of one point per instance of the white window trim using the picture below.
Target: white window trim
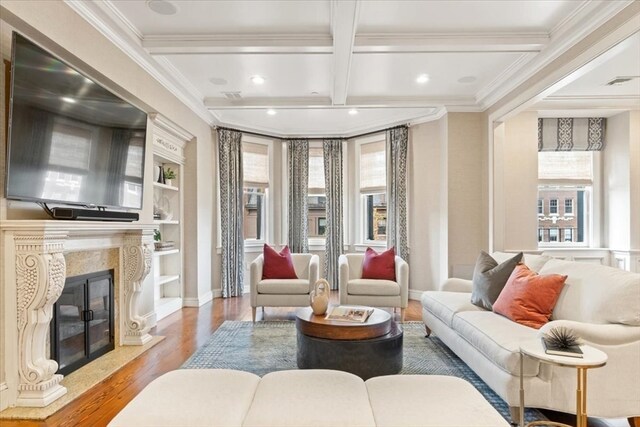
(358, 215)
(253, 245)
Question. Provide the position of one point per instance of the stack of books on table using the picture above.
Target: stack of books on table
(345, 313)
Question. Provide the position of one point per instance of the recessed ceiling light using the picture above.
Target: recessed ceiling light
(163, 7)
(257, 80)
(422, 78)
(353, 112)
(315, 93)
(271, 112)
(467, 79)
(69, 100)
(218, 81)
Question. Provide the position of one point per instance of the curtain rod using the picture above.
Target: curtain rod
(264, 135)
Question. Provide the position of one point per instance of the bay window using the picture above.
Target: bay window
(373, 191)
(317, 200)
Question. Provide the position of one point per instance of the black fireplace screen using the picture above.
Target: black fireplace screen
(82, 326)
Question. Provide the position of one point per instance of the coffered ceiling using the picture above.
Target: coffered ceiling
(338, 67)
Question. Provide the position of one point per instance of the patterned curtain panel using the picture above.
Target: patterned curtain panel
(568, 134)
(332, 151)
(231, 213)
(397, 146)
(298, 159)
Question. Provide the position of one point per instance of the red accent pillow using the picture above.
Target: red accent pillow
(379, 266)
(528, 298)
(278, 265)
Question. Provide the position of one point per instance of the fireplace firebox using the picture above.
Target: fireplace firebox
(83, 321)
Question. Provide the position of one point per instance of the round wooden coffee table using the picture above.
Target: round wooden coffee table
(367, 349)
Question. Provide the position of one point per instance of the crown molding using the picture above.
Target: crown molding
(584, 20)
(434, 114)
(111, 25)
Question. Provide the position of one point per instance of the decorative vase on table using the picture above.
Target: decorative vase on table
(319, 297)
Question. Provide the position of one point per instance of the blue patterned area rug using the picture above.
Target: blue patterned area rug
(265, 347)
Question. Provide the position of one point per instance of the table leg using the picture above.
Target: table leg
(521, 390)
(581, 398)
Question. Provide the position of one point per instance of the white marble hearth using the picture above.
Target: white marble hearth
(33, 270)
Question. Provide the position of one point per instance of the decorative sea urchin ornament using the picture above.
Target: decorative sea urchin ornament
(562, 337)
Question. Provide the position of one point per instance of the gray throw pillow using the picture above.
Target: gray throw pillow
(489, 278)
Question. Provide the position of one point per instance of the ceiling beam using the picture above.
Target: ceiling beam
(319, 102)
(343, 27)
(237, 43)
(450, 42)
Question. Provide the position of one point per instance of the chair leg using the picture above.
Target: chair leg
(253, 314)
(634, 421)
(402, 313)
(428, 331)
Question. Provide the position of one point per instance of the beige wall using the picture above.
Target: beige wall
(515, 170)
(621, 181)
(467, 163)
(428, 222)
(78, 43)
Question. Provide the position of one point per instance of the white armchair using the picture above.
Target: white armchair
(283, 292)
(372, 292)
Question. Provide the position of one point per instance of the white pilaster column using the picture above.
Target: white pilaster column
(137, 264)
(40, 277)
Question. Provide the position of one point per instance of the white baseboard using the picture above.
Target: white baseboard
(151, 318)
(4, 396)
(197, 302)
(217, 293)
(415, 295)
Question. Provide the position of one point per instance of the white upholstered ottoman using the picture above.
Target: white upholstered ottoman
(306, 398)
(191, 397)
(429, 401)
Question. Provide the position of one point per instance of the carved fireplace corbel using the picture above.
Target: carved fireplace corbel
(40, 277)
(137, 263)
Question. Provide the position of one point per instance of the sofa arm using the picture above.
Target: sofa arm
(453, 284)
(343, 267)
(402, 278)
(314, 274)
(598, 334)
(255, 276)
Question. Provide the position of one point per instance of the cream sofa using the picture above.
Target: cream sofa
(306, 398)
(283, 292)
(602, 304)
(375, 293)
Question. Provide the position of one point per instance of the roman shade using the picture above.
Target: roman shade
(373, 177)
(571, 134)
(255, 165)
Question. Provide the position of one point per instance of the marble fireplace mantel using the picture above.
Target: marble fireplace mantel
(33, 272)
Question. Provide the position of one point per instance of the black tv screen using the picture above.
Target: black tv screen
(70, 140)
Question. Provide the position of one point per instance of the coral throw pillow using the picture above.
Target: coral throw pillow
(278, 265)
(528, 298)
(379, 266)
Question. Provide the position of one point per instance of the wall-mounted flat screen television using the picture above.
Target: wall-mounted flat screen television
(71, 141)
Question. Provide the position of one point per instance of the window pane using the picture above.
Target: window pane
(375, 216)
(565, 165)
(317, 220)
(540, 207)
(372, 166)
(574, 220)
(254, 213)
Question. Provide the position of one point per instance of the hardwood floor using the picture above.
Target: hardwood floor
(185, 331)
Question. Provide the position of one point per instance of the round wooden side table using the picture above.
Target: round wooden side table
(592, 358)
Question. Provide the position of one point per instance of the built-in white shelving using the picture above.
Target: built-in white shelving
(168, 265)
